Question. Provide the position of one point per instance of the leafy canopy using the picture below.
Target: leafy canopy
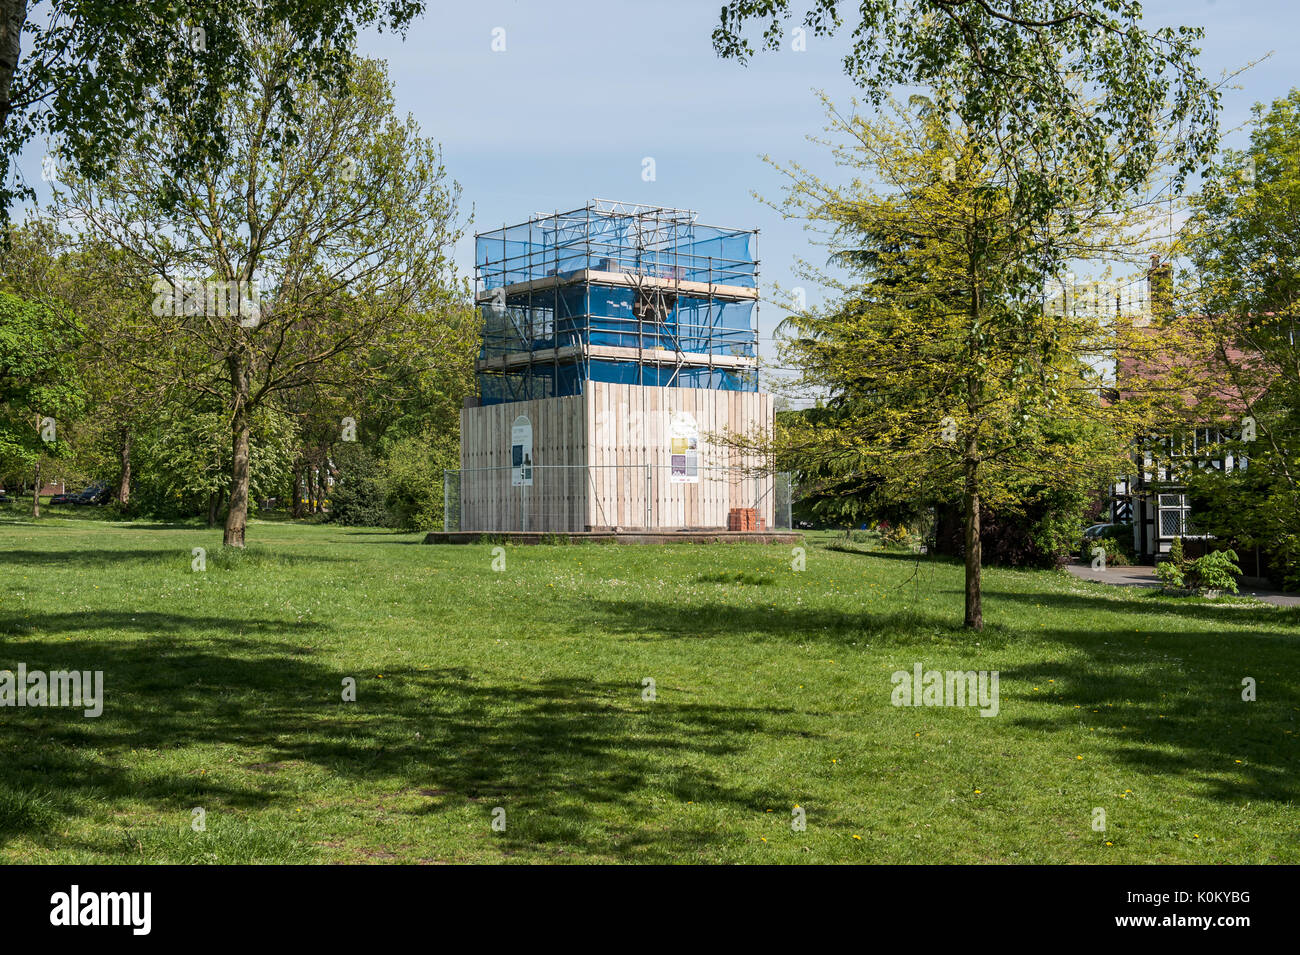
(1044, 81)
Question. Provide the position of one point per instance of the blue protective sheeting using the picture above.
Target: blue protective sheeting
(639, 241)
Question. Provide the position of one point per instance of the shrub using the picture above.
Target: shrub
(1171, 575)
(357, 498)
(414, 492)
(1117, 542)
(1216, 570)
(897, 536)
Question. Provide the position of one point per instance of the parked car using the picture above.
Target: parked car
(4, 498)
(98, 493)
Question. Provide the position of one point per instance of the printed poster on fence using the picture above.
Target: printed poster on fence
(684, 438)
(521, 453)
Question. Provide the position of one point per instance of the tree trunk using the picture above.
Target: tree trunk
(296, 493)
(124, 480)
(13, 13)
(974, 556)
(212, 508)
(971, 455)
(237, 515)
(36, 494)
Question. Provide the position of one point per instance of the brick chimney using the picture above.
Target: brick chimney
(1160, 288)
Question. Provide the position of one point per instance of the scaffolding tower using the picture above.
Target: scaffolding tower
(615, 292)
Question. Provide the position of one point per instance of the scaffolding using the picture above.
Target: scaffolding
(615, 292)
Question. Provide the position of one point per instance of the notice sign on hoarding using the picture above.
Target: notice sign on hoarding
(684, 440)
(521, 453)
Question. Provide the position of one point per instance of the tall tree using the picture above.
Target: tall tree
(39, 390)
(109, 292)
(278, 261)
(949, 375)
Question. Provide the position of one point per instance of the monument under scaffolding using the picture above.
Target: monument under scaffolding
(619, 343)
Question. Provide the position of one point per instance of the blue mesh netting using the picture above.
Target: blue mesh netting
(549, 316)
(589, 239)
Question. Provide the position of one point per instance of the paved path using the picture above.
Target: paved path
(1146, 577)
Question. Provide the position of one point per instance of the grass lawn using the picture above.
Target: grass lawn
(523, 689)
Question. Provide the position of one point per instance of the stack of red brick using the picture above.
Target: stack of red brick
(744, 519)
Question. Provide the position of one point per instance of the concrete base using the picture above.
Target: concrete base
(613, 537)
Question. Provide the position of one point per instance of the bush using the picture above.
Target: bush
(1171, 575)
(1214, 571)
(357, 498)
(414, 489)
(1044, 532)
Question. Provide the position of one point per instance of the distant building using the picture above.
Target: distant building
(1153, 498)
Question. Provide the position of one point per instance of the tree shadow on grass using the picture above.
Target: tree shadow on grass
(659, 620)
(1138, 683)
(1146, 602)
(1172, 705)
(910, 557)
(77, 557)
(178, 556)
(558, 752)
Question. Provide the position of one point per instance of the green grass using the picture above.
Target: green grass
(522, 689)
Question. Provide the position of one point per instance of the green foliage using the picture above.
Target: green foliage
(357, 497)
(38, 380)
(1171, 574)
(402, 487)
(414, 474)
(948, 378)
(1217, 570)
(1214, 571)
(86, 79)
(1245, 299)
(1116, 542)
(1051, 82)
(183, 459)
(329, 217)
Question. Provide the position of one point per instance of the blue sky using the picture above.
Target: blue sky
(586, 89)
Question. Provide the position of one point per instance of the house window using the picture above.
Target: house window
(1175, 516)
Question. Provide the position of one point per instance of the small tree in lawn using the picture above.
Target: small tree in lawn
(281, 259)
(948, 373)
